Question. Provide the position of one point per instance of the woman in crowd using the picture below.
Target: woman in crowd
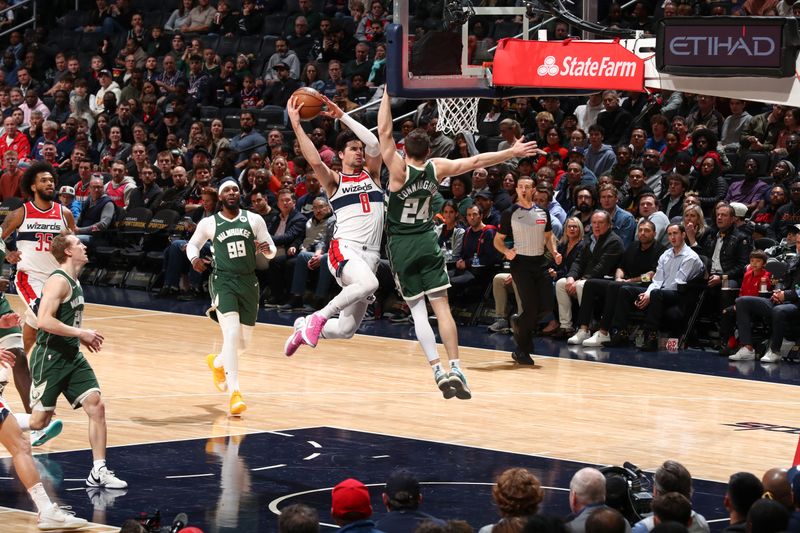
(517, 493)
(310, 77)
(451, 234)
(695, 224)
(179, 17)
(116, 149)
(709, 183)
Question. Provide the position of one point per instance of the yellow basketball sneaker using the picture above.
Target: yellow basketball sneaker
(218, 373)
(237, 403)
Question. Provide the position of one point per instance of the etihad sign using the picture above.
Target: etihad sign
(567, 64)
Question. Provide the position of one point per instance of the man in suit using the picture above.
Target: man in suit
(600, 255)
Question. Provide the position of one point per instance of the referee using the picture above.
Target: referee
(528, 225)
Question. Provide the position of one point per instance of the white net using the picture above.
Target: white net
(457, 115)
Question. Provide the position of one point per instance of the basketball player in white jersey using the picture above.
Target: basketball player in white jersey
(37, 222)
(356, 197)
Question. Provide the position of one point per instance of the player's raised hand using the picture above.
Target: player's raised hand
(9, 320)
(293, 110)
(524, 149)
(7, 358)
(333, 110)
(92, 339)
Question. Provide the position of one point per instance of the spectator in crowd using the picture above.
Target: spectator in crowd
(517, 493)
(786, 216)
(705, 114)
(751, 189)
(282, 56)
(477, 251)
(365, 31)
(33, 103)
(248, 140)
(678, 265)
(600, 255)
(278, 92)
(648, 210)
(734, 124)
(779, 310)
(66, 195)
(224, 23)
(175, 196)
(672, 201)
(121, 186)
(13, 139)
(305, 9)
(97, 102)
(613, 119)
(298, 518)
(744, 489)
(11, 178)
(402, 498)
(673, 478)
(761, 133)
(311, 255)
(574, 178)
(622, 221)
(653, 175)
(776, 198)
(638, 265)
(200, 18)
(97, 212)
(350, 502)
(491, 216)
(313, 191)
(709, 183)
(148, 194)
(587, 494)
(633, 189)
(728, 249)
(659, 127)
(777, 487)
(287, 228)
(600, 157)
(585, 204)
(587, 113)
(767, 516)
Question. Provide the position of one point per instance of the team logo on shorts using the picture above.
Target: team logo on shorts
(36, 392)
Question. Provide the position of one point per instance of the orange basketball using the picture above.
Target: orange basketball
(312, 102)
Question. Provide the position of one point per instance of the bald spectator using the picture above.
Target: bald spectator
(587, 494)
(359, 65)
(175, 197)
(777, 487)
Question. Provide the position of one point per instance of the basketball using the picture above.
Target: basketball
(312, 102)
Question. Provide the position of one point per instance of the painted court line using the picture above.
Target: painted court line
(259, 469)
(188, 475)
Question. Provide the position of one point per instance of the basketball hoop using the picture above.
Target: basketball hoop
(457, 115)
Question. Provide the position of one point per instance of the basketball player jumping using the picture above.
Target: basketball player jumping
(356, 197)
(37, 223)
(236, 236)
(416, 258)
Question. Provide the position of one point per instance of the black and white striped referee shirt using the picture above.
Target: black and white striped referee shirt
(527, 227)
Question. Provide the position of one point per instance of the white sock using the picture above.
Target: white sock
(98, 465)
(437, 368)
(24, 421)
(423, 329)
(40, 498)
(455, 363)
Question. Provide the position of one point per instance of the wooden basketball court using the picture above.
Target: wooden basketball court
(157, 388)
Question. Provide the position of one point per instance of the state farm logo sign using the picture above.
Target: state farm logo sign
(567, 64)
(574, 66)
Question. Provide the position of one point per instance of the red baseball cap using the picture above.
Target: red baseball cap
(350, 499)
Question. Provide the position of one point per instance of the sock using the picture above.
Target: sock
(217, 361)
(24, 421)
(437, 368)
(99, 465)
(40, 498)
(231, 339)
(455, 363)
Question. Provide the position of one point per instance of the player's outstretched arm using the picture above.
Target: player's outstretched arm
(395, 163)
(371, 148)
(326, 176)
(447, 167)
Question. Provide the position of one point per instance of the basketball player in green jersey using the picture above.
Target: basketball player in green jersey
(236, 236)
(416, 259)
(57, 364)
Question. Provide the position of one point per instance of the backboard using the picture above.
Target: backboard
(428, 59)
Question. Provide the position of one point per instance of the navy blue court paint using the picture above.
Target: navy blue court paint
(238, 484)
(692, 361)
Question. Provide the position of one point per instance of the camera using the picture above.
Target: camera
(628, 490)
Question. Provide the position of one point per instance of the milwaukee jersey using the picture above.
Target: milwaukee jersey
(34, 236)
(358, 206)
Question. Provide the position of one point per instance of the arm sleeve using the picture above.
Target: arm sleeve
(371, 146)
(505, 224)
(203, 233)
